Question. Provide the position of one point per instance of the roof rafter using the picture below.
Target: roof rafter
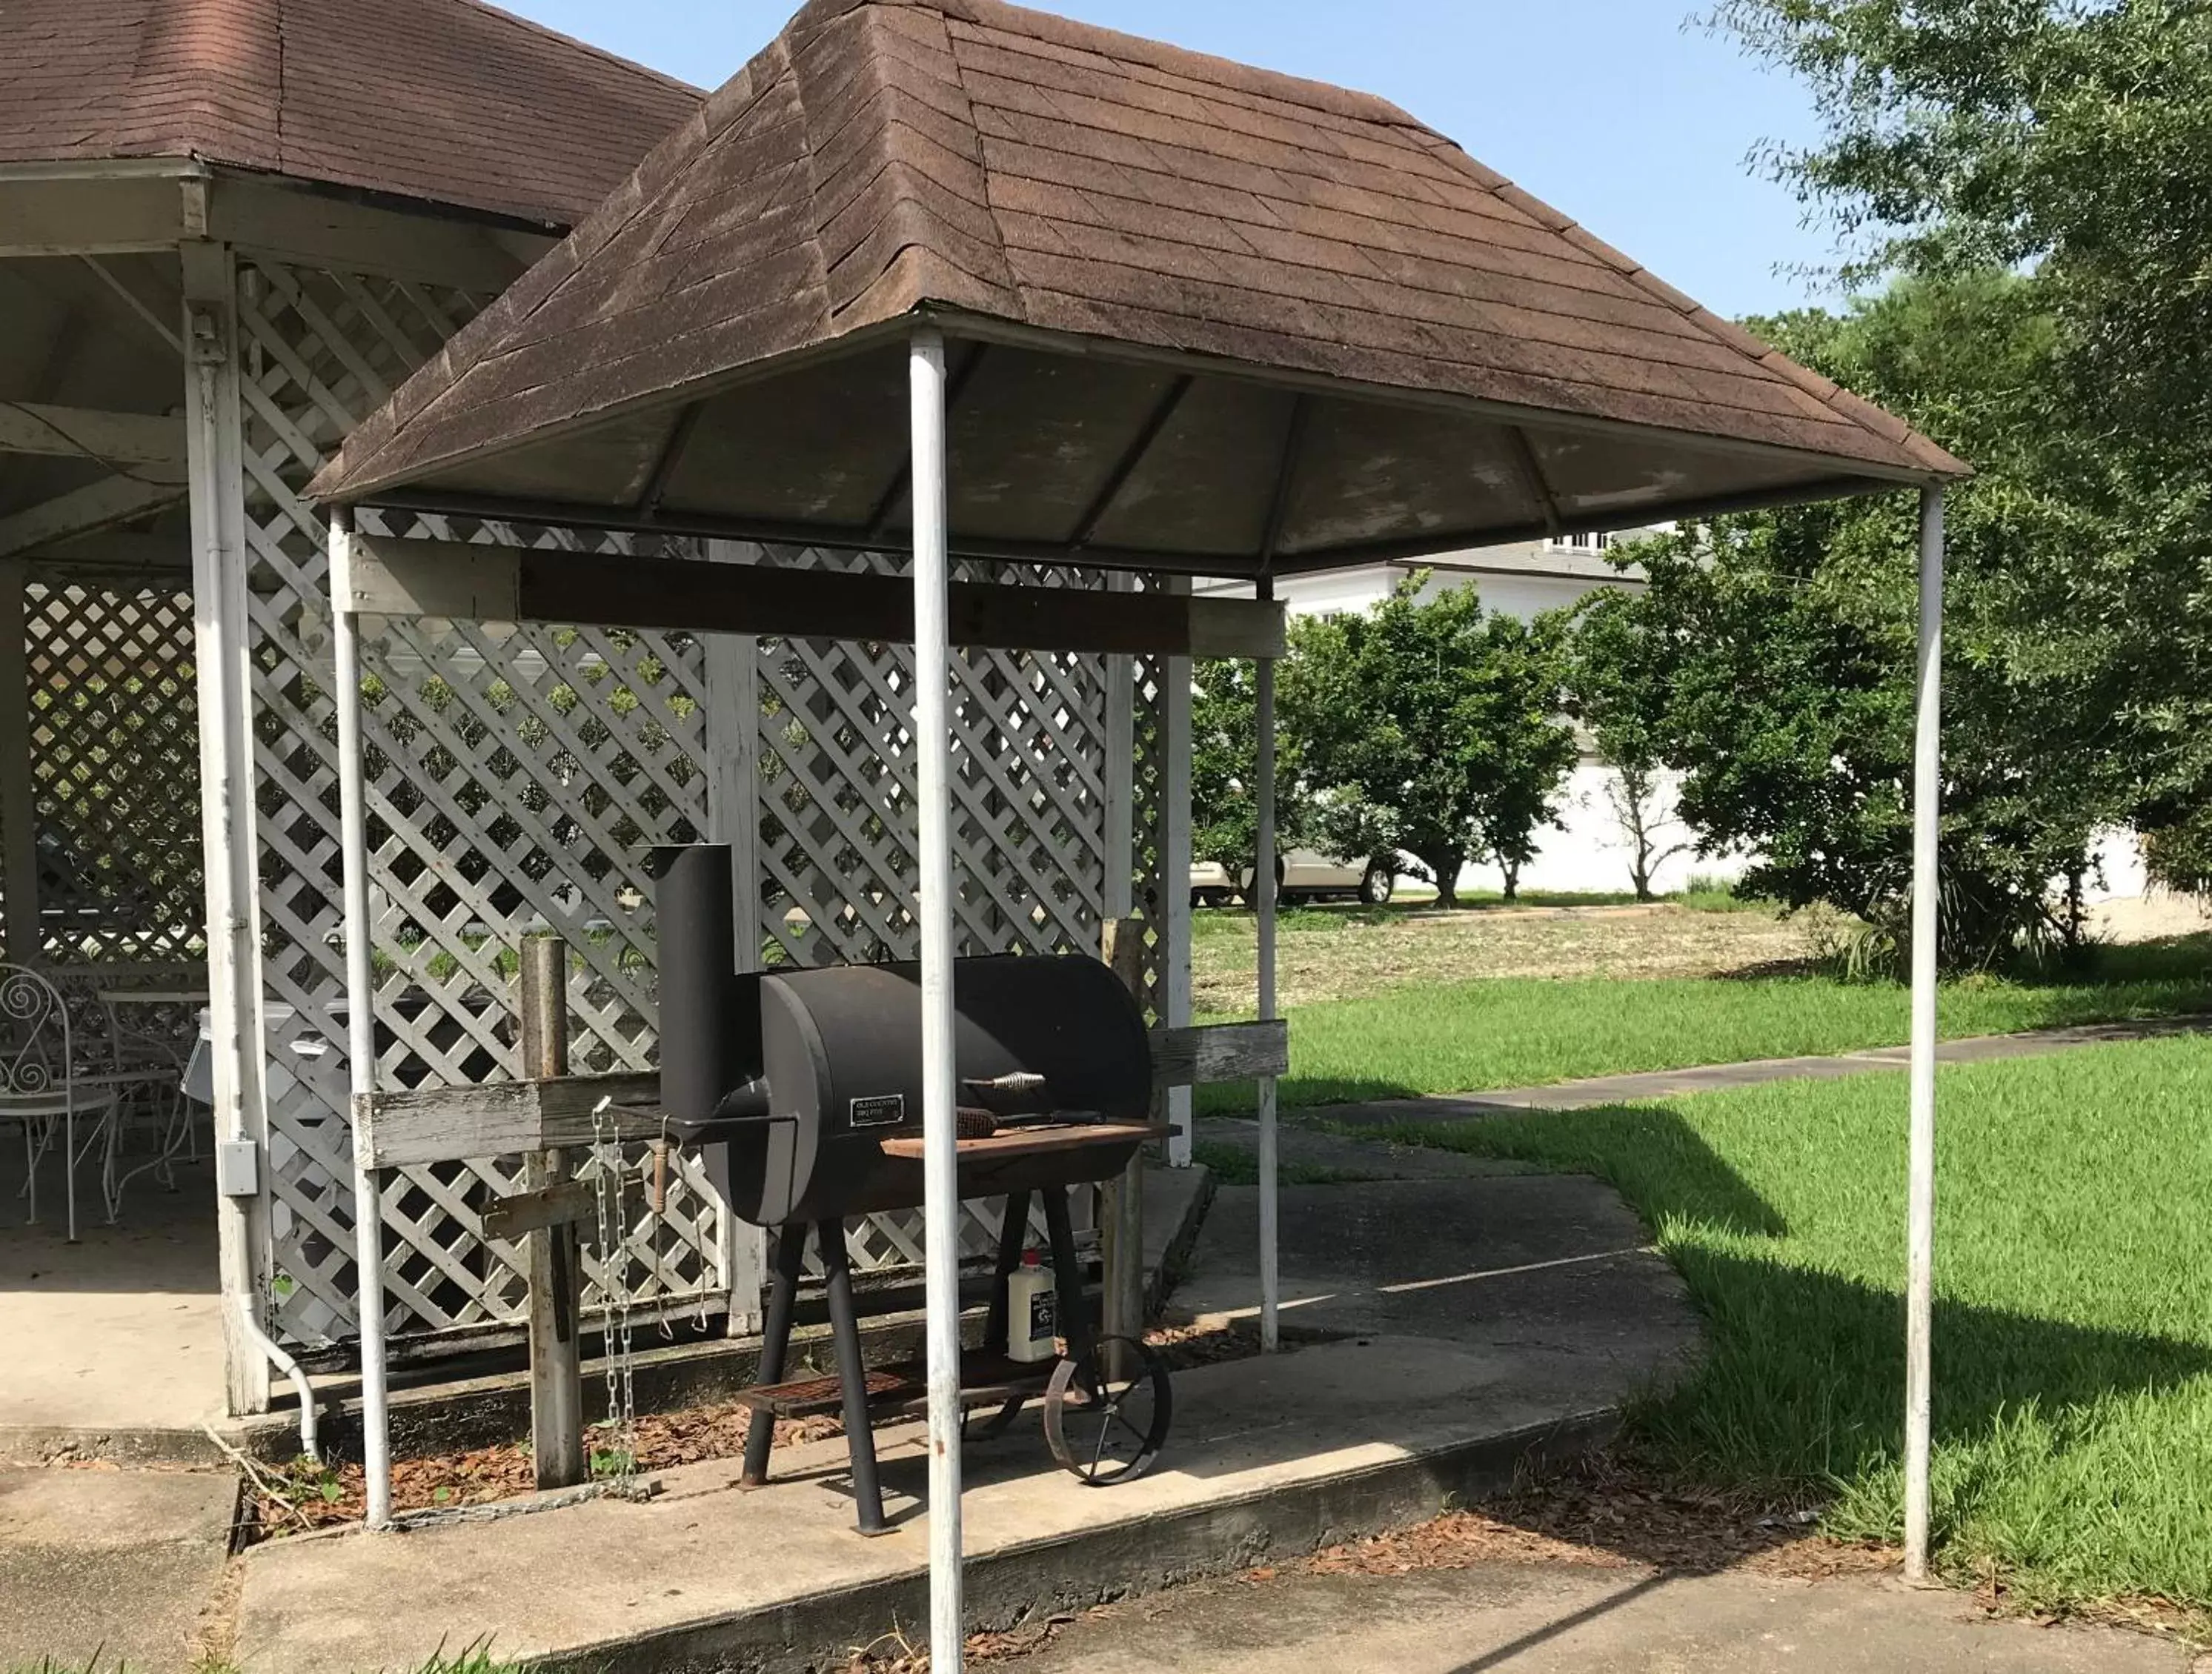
(84, 511)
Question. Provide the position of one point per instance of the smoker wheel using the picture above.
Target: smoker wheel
(1105, 1430)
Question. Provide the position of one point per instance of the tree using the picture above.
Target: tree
(1786, 640)
(1621, 680)
(1223, 767)
(1433, 727)
(2071, 141)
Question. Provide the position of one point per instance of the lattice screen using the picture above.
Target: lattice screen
(515, 776)
(114, 748)
(838, 828)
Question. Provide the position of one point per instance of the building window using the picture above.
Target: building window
(1596, 543)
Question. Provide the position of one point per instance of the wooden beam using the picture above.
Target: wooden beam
(448, 1124)
(83, 511)
(1201, 1053)
(110, 438)
(543, 1210)
(72, 214)
(553, 1259)
(327, 229)
(471, 580)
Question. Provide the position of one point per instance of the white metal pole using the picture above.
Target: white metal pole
(1920, 1167)
(361, 1028)
(940, 1157)
(1263, 881)
(1174, 873)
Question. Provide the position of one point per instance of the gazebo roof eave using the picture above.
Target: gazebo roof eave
(1413, 548)
(1829, 475)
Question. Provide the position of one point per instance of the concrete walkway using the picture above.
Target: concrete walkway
(114, 1343)
(1714, 1078)
(115, 1566)
(1472, 1324)
(1578, 1619)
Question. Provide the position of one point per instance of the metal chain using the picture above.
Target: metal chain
(614, 1290)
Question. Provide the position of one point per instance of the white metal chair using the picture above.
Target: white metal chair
(42, 1087)
(141, 1060)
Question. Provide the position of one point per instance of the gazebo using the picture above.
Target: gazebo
(227, 229)
(1046, 307)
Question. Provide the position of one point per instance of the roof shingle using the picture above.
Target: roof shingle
(882, 155)
(445, 100)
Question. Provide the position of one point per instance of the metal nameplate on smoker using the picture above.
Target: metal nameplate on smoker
(882, 1110)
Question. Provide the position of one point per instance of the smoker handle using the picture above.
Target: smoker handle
(1015, 1081)
(741, 1108)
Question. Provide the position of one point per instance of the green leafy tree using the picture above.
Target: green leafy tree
(1224, 768)
(1785, 640)
(1431, 726)
(1622, 679)
(2070, 140)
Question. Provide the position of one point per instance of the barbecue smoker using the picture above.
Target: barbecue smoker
(812, 1080)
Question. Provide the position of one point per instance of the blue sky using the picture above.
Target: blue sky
(1618, 113)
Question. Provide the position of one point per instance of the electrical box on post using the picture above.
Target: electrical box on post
(237, 1168)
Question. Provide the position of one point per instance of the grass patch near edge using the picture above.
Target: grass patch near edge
(1525, 1032)
(2073, 1329)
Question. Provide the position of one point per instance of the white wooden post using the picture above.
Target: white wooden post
(940, 1155)
(732, 671)
(1263, 881)
(1175, 873)
(1122, 1201)
(18, 806)
(1920, 1167)
(229, 838)
(1117, 890)
(360, 1032)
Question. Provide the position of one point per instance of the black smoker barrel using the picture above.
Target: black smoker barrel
(813, 1081)
(813, 1078)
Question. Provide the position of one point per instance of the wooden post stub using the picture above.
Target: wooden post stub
(555, 1273)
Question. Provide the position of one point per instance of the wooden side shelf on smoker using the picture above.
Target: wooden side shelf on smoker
(1036, 1138)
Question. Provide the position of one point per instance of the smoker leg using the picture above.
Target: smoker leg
(775, 1344)
(1067, 1277)
(1014, 1234)
(852, 1377)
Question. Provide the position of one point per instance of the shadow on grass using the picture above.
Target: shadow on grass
(1801, 1384)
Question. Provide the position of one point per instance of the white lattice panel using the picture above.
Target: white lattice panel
(515, 776)
(114, 749)
(838, 827)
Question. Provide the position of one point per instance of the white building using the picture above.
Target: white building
(1587, 850)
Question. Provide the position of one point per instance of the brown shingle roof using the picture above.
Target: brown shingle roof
(882, 155)
(445, 101)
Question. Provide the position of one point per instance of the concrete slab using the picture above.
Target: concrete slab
(1302, 1147)
(117, 1564)
(1566, 1619)
(120, 1332)
(1483, 1369)
(1555, 1269)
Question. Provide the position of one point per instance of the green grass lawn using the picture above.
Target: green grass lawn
(2073, 1335)
(1520, 1032)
